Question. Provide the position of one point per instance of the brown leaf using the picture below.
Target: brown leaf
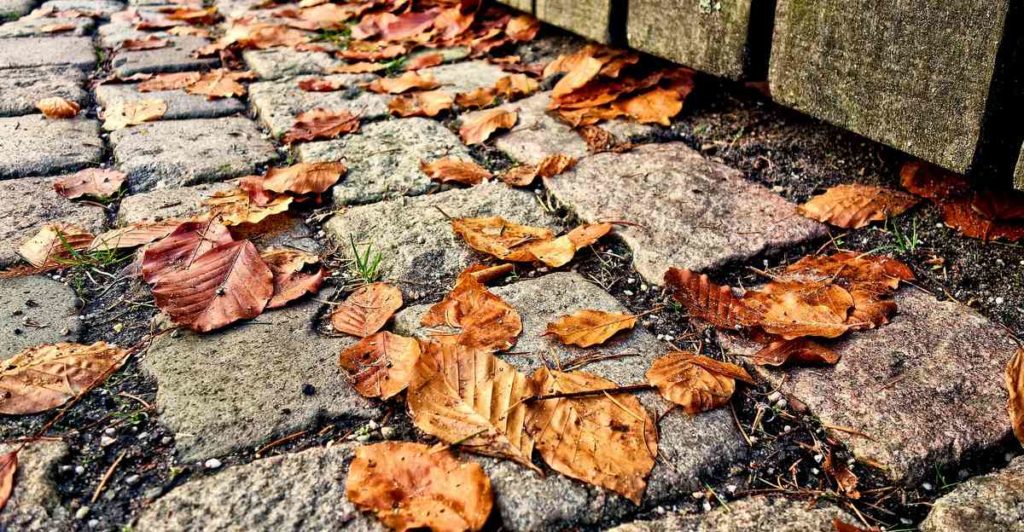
(845, 478)
(553, 165)
(496, 236)
(55, 244)
(695, 382)
(124, 113)
(410, 485)
(148, 43)
(587, 234)
(801, 350)
(960, 215)
(226, 284)
(1015, 386)
(56, 28)
(366, 310)
(236, 207)
(581, 74)
(470, 397)
(320, 85)
(707, 301)
(476, 98)
(522, 28)
(793, 309)
(321, 124)
(404, 83)
(452, 170)
(134, 235)
(486, 274)
(855, 206)
(304, 178)
(8, 467)
(586, 328)
(424, 61)
(194, 15)
(519, 176)
(181, 248)
(44, 377)
(656, 106)
(57, 107)
(479, 127)
(362, 67)
(290, 281)
(516, 86)
(367, 51)
(381, 365)
(600, 140)
(218, 83)
(167, 82)
(610, 442)
(841, 526)
(932, 182)
(425, 103)
(96, 182)
(487, 321)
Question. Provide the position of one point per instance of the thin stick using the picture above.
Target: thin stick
(106, 476)
(279, 441)
(588, 393)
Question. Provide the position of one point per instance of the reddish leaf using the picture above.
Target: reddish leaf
(381, 365)
(304, 178)
(181, 248)
(8, 467)
(801, 350)
(290, 280)
(479, 127)
(57, 107)
(321, 124)
(855, 206)
(96, 182)
(452, 170)
(707, 301)
(367, 309)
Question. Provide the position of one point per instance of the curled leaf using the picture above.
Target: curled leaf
(479, 127)
(181, 248)
(290, 280)
(695, 382)
(425, 103)
(855, 206)
(304, 178)
(802, 350)
(367, 309)
(452, 170)
(381, 365)
(586, 328)
(707, 301)
(321, 124)
(55, 244)
(404, 83)
(57, 107)
(1015, 387)
(44, 377)
(124, 113)
(487, 321)
(170, 81)
(236, 206)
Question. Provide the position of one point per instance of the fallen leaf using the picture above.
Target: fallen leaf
(134, 235)
(476, 98)
(367, 309)
(519, 176)
(607, 441)
(367, 51)
(707, 301)
(794, 309)
(362, 67)
(55, 244)
(167, 82)
(580, 75)
(960, 215)
(932, 182)
(486, 274)
(516, 86)
(404, 83)
(57, 107)
(587, 328)
(290, 280)
(96, 182)
(381, 365)
(487, 321)
(194, 15)
(801, 350)
(555, 164)
(8, 467)
(496, 236)
(178, 250)
(452, 170)
(236, 207)
(424, 61)
(218, 83)
(226, 284)
(599, 140)
(425, 103)
(479, 127)
(522, 28)
(44, 377)
(1015, 387)
(410, 485)
(845, 479)
(148, 43)
(124, 113)
(321, 124)
(304, 178)
(59, 27)
(855, 206)
(587, 234)
(841, 526)
(695, 382)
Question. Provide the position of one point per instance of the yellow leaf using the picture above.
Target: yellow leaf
(590, 327)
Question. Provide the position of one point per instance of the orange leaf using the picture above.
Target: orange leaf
(707, 301)
(845, 479)
(496, 236)
(96, 182)
(219, 83)
(424, 61)
(426, 103)
(57, 107)
(381, 365)
(367, 309)
(290, 281)
(476, 98)
(1015, 386)
(586, 328)
(802, 350)
(321, 124)
(695, 382)
(123, 113)
(522, 28)
(181, 248)
(304, 178)
(580, 75)
(487, 321)
(793, 309)
(516, 86)
(452, 170)
(553, 165)
(166, 82)
(479, 127)
(55, 244)
(404, 83)
(656, 106)
(149, 43)
(855, 206)
(44, 377)
(236, 207)
(320, 85)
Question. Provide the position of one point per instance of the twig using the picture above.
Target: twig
(588, 393)
(106, 476)
(279, 441)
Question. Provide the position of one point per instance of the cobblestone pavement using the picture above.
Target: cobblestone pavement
(253, 427)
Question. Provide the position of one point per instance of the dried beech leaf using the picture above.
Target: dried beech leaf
(608, 441)
(381, 365)
(226, 284)
(801, 350)
(149, 43)
(932, 182)
(57, 107)
(516, 86)
(124, 113)
(707, 301)
(304, 178)
(855, 206)
(479, 127)
(134, 235)
(960, 215)
(470, 397)
(476, 98)
(367, 309)
(236, 207)
(553, 165)
(181, 248)
(321, 124)
(587, 234)
(404, 83)
(410, 485)
(795, 309)
(452, 170)
(656, 106)
(519, 176)
(1015, 386)
(167, 82)
(425, 103)
(581, 73)
(219, 83)
(290, 280)
(8, 467)
(95, 182)
(522, 28)
(424, 61)
(55, 244)
(496, 236)
(586, 328)
(695, 382)
(487, 321)
(44, 377)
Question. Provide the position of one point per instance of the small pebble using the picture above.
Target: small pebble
(631, 280)
(697, 495)
(818, 458)
(212, 463)
(363, 438)
(106, 441)
(93, 523)
(118, 327)
(731, 488)
(780, 404)
(644, 288)
(706, 506)
(774, 396)
(82, 512)
(373, 425)
(132, 480)
(627, 292)
(387, 432)
(815, 471)
(110, 431)
(999, 300)
(64, 468)
(79, 470)
(787, 428)
(166, 440)
(927, 486)
(906, 521)
(142, 435)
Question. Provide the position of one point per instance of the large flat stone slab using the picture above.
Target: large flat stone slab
(277, 103)
(23, 87)
(753, 514)
(927, 388)
(70, 52)
(275, 63)
(383, 158)
(915, 76)
(180, 104)
(177, 57)
(691, 212)
(589, 18)
(689, 447)
(173, 153)
(33, 145)
(35, 504)
(415, 238)
(42, 27)
(243, 386)
(537, 134)
(36, 310)
(29, 204)
(989, 503)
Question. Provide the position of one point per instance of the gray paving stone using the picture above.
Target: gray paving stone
(416, 240)
(35, 504)
(589, 18)
(538, 135)
(36, 27)
(753, 514)
(174, 58)
(23, 87)
(301, 491)
(989, 503)
(276, 103)
(180, 104)
(242, 386)
(692, 213)
(173, 153)
(10, 9)
(71, 52)
(112, 34)
(927, 388)
(33, 145)
(36, 310)
(690, 447)
(167, 203)
(465, 76)
(104, 7)
(383, 158)
(275, 63)
(29, 204)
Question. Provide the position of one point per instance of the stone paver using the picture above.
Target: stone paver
(989, 503)
(691, 212)
(33, 145)
(37, 27)
(383, 159)
(301, 491)
(35, 504)
(36, 310)
(185, 152)
(538, 135)
(589, 18)
(71, 52)
(29, 204)
(167, 203)
(174, 58)
(275, 63)
(23, 87)
(753, 514)
(465, 76)
(104, 8)
(180, 104)
(927, 388)
(112, 34)
(278, 102)
(690, 447)
(241, 386)
(281, 230)
(15, 8)
(416, 240)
